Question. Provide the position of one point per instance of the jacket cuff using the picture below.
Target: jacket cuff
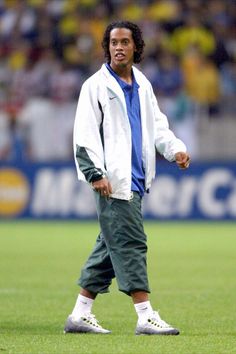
(97, 176)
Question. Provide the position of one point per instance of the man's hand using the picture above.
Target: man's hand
(182, 159)
(103, 187)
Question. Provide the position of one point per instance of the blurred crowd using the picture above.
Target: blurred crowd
(49, 47)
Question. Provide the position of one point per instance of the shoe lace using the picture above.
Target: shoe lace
(156, 320)
(91, 319)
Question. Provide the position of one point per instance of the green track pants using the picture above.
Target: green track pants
(120, 250)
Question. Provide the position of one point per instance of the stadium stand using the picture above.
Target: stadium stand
(49, 47)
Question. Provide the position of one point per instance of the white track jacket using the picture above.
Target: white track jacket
(102, 133)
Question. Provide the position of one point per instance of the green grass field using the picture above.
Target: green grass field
(192, 273)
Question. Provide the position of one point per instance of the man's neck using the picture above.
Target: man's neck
(125, 73)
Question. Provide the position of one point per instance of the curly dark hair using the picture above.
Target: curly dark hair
(136, 34)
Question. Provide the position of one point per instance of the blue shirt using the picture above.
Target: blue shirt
(133, 110)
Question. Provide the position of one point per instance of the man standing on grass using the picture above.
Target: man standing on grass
(118, 127)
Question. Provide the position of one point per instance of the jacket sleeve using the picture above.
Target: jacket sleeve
(87, 140)
(167, 144)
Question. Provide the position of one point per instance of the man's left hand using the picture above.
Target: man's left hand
(182, 159)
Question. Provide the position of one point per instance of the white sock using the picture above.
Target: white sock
(83, 305)
(144, 310)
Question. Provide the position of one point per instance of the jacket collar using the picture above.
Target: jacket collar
(113, 85)
(111, 82)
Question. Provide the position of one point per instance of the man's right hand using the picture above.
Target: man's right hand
(103, 187)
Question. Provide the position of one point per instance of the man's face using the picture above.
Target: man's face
(121, 48)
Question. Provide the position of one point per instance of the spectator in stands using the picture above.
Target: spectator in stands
(192, 33)
(46, 128)
(165, 11)
(17, 16)
(168, 84)
(131, 10)
(168, 79)
(64, 83)
(202, 81)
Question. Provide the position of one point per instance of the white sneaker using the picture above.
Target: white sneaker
(85, 324)
(155, 325)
